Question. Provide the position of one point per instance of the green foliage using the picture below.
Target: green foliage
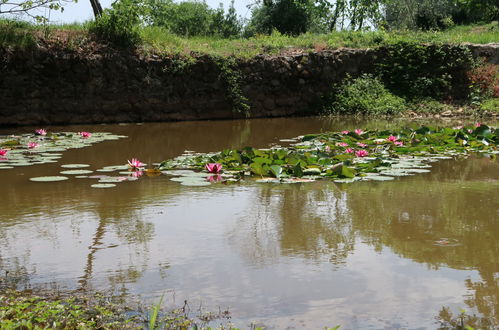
(231, 78)
(490, 105)
(194, 18)
(120, 25)
(16, 33)
(414, 70)
(18, 311)
(287, 17)
(346, 156)
(365, 95)
(438, 14)
(31, 8)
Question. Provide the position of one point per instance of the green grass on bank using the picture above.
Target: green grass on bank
(21, 35)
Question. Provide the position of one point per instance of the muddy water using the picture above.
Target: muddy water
(370, 254)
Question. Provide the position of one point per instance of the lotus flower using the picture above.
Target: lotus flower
(470, 131)
(361, 153)
(478, 124)
(398, 143)
(392, 138)
(213, 167)
(342, 144)
(362, 145)
(3, 152)
(348, 150)
(40, 131)
(85, 134)
(345, 132)
(359, 131)
(32, 145)
(134, 163)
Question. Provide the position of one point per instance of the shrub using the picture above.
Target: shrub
(364, 95)
(484, 80)
(120, 24)
(413, 70)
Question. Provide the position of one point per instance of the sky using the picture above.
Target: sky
(82, 11)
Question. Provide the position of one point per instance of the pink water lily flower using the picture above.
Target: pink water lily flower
(362, 145)
(392, 138)
(361, 153)
(349, 150)
(213, 167)
(345, 132)
(470, 131)
(359, 131)
(478, 124)
(327, 149)
(40, 131)
(398, 143)
(342, 144)
(85, 134)
(32, 145)
(3, 152)
(134, 163)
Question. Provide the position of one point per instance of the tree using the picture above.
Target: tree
(32, 7)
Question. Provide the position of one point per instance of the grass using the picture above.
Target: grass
(21, 35)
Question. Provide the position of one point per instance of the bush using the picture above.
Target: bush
(120, 25)
(365, 95)
(413, 70)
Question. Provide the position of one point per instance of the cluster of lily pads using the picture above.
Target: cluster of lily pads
(42, 147)
(345, 156)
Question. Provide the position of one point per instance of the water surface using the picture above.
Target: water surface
(363, 255)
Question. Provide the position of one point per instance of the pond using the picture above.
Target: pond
(362, 255)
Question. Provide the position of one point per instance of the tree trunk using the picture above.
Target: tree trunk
(97, 8)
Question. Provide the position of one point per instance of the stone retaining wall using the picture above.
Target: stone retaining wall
(66, 87)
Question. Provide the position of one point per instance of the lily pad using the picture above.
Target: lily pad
(103, 185)
(75, 165)
(76, 172)
(49, 178)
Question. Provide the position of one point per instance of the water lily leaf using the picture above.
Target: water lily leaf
(75, 165)
(76, 172)
(312, 171)
(276, 170)
(103, 185)
(49, 178)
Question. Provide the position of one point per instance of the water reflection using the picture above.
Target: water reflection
(307, 255)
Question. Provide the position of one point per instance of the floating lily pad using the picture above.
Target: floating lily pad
(113, 179)
(75, 165)
(48, 178)
(103, 185)
(76, 172)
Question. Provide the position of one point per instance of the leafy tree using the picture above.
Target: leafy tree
(287, 16)
(194, 18)
(32, 7)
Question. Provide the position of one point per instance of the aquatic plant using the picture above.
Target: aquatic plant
(32, 145)
(135, 164)
(3, 152)
(40, 131)
(383, 155)
(213, 167)
(85, 135)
